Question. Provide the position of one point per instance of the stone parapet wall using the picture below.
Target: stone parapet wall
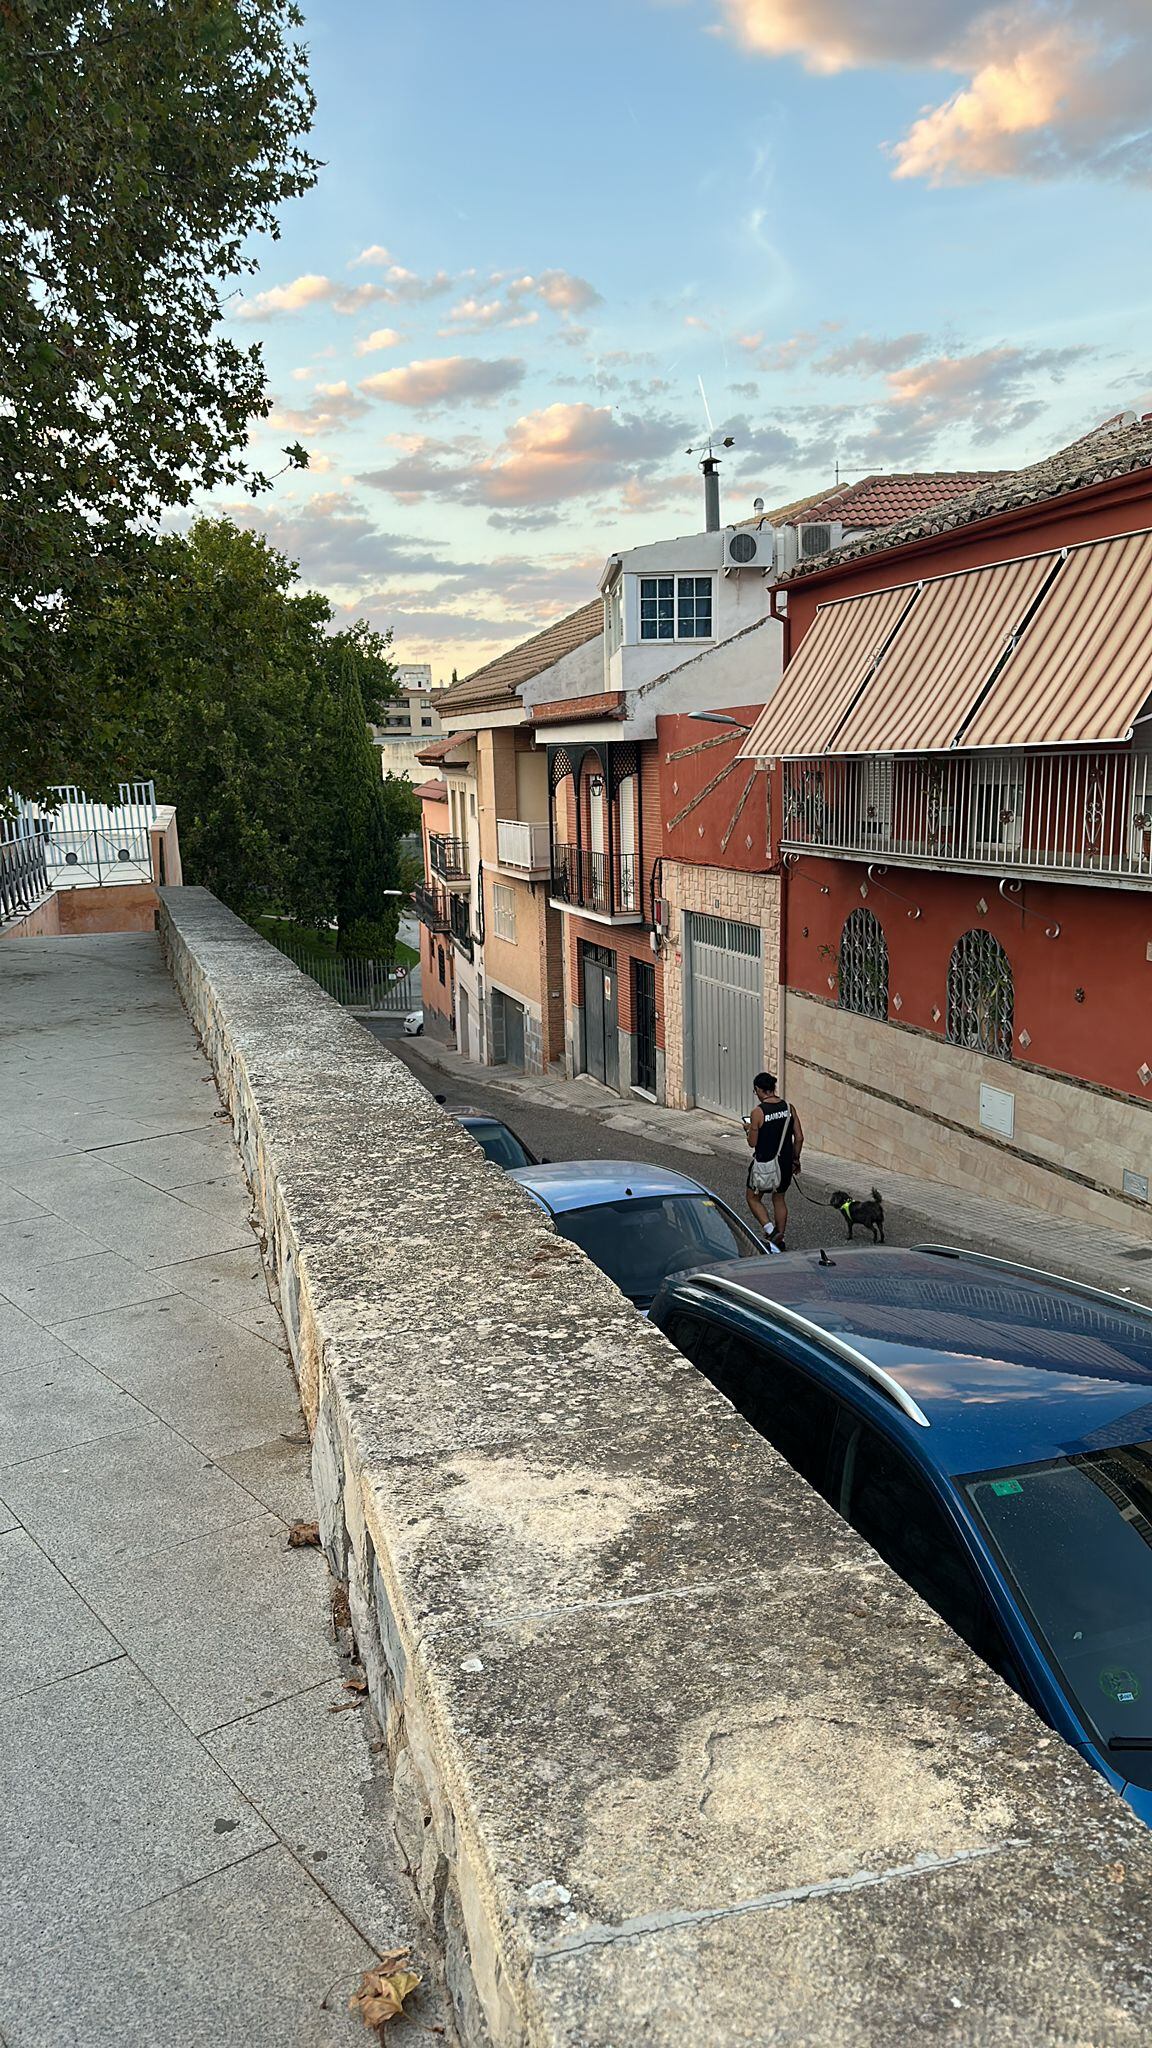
(906, 1099)
(676, 1757)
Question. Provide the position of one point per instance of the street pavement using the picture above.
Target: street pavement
(560, 1119)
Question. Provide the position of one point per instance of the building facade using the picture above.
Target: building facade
(965, 742)
(411, 722)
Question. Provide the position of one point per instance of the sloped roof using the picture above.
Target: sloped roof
(433, 792)
(494, 687)
(878, 500)
(1112, 450)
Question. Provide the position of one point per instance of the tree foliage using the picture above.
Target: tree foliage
(142, 142)
(250, 715)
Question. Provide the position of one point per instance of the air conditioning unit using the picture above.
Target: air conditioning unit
(816, 537)
(749, 547)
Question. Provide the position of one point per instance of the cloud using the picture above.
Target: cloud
(446, 380)
(986, 396)
(380, 337)
(334, 406)
(1049, 88)
(547, 457)
(871, 355)
(397, 287)
(515, 302)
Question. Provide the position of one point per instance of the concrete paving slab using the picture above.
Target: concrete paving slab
(127, 1215)
(15, 1207)
(47, 1631)
(29, 1242)
(124, 1496)
(106, 1802)
(217, 1383)
(217, 1198)
(310, 1775)
(59, 1402)
(25, 1345)
(231, 1284)
(223, 1624)
(73, 1287)
(177, 1162)
(7, 1518)
(278, 1474)
(248, 1956)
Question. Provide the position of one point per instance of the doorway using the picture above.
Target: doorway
(724, 1026)
(601, 1040)
(644, 1016)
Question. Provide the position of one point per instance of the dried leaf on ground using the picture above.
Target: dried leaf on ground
(355, 1685)
(379, 1997)
(304, 1536)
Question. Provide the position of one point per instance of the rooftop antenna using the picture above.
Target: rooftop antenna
(710, 465)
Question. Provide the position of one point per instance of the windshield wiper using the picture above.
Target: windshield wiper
(1130, 1742)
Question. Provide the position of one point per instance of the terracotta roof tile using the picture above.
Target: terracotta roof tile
(564, 710)
(433, 792)
(878, 500)
(1112, 450)
(494, 687)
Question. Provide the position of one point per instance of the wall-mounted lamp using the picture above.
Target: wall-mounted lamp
(595, 785)
(719, 718)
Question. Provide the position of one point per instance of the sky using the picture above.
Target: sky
(884, 235)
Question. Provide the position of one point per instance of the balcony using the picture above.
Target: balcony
(521, 846)
(448, 858)
(433, 906)
(1080, 815)
(460, 924)
(606, 887)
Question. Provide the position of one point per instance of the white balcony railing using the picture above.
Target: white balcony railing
(523, 846)
(1081, 812)
(88, 843)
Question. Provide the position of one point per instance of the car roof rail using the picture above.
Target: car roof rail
(845, 1353)
(951, 1251)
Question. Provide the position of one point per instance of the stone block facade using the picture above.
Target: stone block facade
(895, 1096)
(743, 899)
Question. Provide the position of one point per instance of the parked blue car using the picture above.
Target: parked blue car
(988, 1430)
(637, 1223)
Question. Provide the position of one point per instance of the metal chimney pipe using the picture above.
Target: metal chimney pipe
(711, 469)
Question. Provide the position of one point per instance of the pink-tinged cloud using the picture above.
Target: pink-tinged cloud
(446, 380)
(397, 287)
(1047, 87)
(870, 355)
(548, 457)
(515, 302)
(333, 406)
(310, 290)
(380, 338)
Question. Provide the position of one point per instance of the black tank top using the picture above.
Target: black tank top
(774, 1129)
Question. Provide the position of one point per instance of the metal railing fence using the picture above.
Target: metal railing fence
(23, 869)
(1081, 811)
(358, 984)
(89, 844)
(594, 881)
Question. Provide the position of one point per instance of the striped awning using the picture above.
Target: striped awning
(1048, 650)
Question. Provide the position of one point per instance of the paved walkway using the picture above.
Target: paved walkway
(1097, 1255)
(191, 1838)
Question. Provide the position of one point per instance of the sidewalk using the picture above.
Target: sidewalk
(195, 1839)
(1100, 1257)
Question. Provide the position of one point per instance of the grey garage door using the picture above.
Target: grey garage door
(725, 1011)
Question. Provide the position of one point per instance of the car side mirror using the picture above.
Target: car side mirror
(439, 1098)
(544, 1159)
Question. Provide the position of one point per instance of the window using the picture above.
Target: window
(675, 607)
(890, 1505)
(864, 965)
(795, 1413)
(440, 962)
(981, 998)
(426, 721)
(504, 912)
(640, 1240)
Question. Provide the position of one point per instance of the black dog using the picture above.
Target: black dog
(870, 1215)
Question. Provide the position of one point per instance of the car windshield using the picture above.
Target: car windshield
(1075, 1537)
(497, 1142)
(639, 1240)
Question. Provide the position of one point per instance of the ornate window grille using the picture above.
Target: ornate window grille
(981, 995)
(864, 965)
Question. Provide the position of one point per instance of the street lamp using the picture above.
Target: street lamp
(719, 718)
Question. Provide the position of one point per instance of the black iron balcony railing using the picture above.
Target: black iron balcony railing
(23, 870)
(460, 924)
(609, 885)
(448, 857)
(433, 906)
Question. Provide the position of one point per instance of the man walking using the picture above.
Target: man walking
(776, 1140)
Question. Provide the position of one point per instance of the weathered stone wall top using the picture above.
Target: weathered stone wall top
(677, 1758)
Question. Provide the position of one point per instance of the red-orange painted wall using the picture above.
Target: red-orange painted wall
(1102, 949)
(711, 829)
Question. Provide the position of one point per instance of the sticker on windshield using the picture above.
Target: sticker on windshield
(1120, 1685)
(1003, 1486)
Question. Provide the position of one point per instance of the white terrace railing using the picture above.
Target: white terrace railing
(1080, 812)
(87, 843)
(522, 845)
